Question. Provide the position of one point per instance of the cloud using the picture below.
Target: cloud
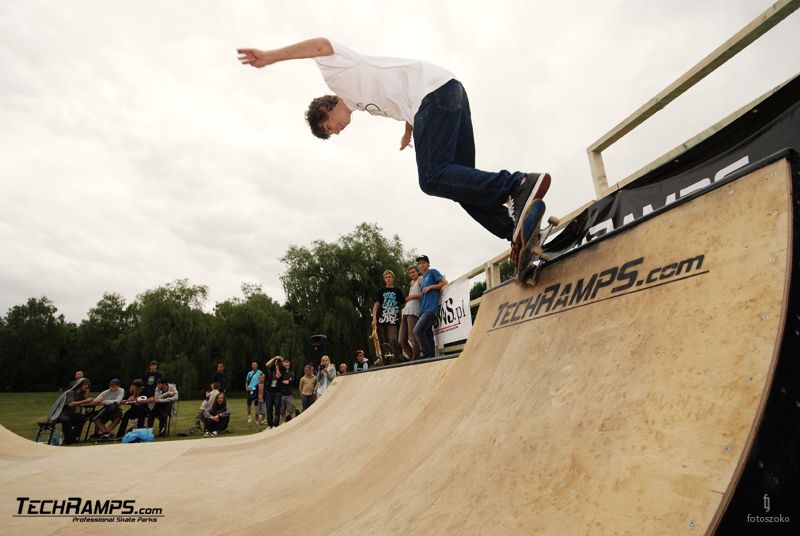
(136, 150)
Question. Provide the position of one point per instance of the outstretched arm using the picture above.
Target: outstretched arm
(311, 48)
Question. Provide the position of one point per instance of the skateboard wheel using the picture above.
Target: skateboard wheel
(552, 220)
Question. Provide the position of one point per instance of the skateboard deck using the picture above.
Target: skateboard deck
(377, 345)
(532, 256)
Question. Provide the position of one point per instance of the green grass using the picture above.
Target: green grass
(19, 412)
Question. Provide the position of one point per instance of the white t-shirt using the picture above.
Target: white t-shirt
(386, 87)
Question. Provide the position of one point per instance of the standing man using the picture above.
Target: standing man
(274, 373)
(433, 105)
(219, 377)
(150, 379)
(386, 313)
(432, 283)
(250, 386)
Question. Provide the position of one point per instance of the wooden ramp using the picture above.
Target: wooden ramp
(621, 395)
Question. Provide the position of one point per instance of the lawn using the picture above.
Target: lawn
(19, 412)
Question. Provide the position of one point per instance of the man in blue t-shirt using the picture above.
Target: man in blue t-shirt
(250, 386)
(432, 283)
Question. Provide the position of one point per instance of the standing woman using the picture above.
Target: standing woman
(411, 315)
(326, 374)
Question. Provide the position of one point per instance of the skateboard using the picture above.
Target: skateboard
(532, 250)
(377, 345)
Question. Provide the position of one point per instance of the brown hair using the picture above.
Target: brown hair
(317, 114)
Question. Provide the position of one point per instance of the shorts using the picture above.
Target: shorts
(112, 411)
(261, 408)
(287, 405)
(251, 397)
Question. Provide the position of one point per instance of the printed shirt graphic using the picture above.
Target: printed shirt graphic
(252, 379)
(389, 302)
(386, 87)
(429, 303)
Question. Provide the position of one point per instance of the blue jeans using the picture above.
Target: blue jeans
(423, 331)
(445, 149)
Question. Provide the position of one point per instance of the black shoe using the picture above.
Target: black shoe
(533, 187)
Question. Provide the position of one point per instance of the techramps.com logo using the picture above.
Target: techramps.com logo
(88, 510)
(615, 282)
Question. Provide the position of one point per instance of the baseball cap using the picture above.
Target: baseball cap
(114, 382)
(423, 258)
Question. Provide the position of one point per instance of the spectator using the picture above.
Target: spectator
(138, 408)
(361, 363)
(150, 379)
(411, 314)
(342, 368)
(386, 313)
(211, 395)
(71, 418)
(308, 383)
(326, 374)
(161, 404)
(217, 416)
(288, 411)
(250, 384)
(219, 377)
(275, 374)
(432, 283)
(261, 400)
(78, 376)
(110, 400)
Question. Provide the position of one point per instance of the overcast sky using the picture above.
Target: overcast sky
(135, 150)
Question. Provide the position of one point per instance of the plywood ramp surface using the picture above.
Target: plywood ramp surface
(618, 396)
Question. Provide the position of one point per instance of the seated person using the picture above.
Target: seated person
(71, 418)
(211, 395)
(161, 405)
(218, 415)
(138, 408)
(110, 400)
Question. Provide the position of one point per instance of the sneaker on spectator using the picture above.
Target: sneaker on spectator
(207, 434)
(214, 433)
(249, 419)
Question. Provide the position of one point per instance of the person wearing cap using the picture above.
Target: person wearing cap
(432, 283)
(110, 400)
(138, 408)
(361, 363)
(433, 106)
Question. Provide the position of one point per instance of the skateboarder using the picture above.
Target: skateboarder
(386, 313)
(434, 107)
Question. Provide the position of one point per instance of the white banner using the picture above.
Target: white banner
(454, 321)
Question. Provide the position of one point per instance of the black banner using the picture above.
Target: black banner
(771, 126)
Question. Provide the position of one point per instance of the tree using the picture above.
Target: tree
(34, 347)
(254, 329)
(330, 288)
(100, 342)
